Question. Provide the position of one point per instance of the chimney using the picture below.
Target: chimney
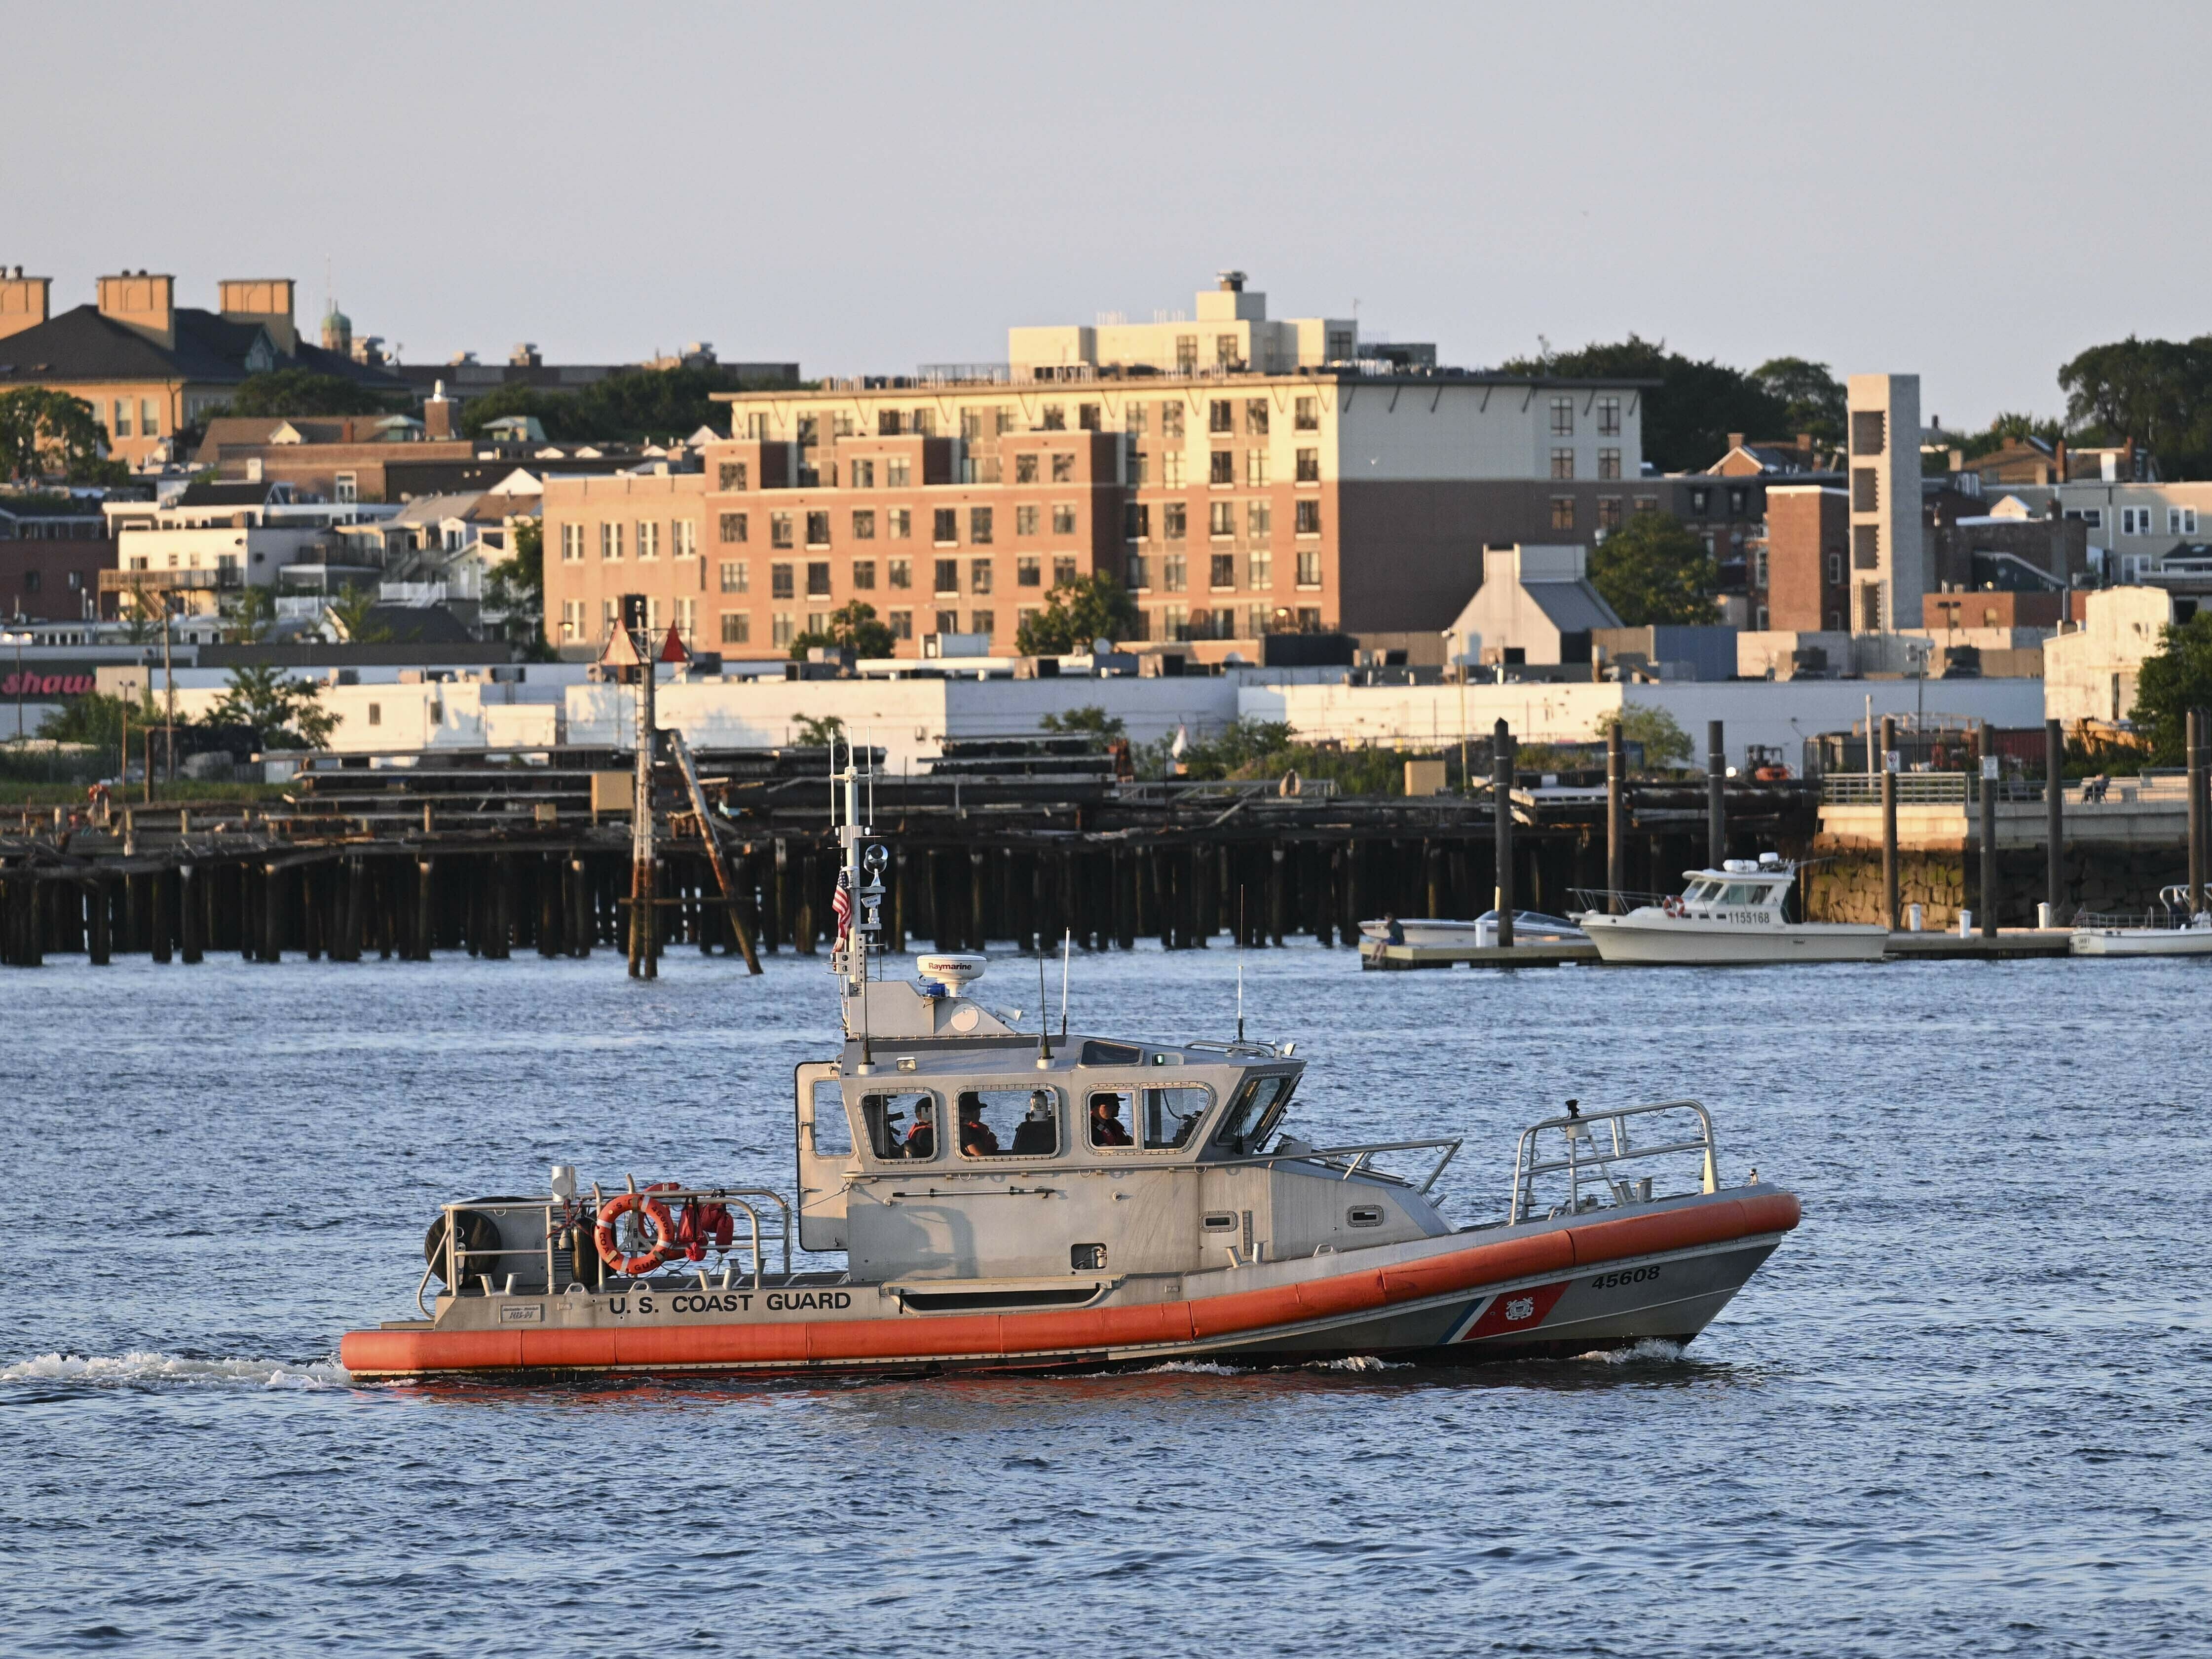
(23, 300)
(2059, 454)
(438, 413)
(264, 300)
(143, 303)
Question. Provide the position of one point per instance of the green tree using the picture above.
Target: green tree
(561, 414)
(516, 584)
(96, 718)
(2011, 427)
(1812, 398)
(286, 713)
(1093, 607)
(1687, 415)
(1657, 730)
(852, 624)
(1090, 720)
(2171, 683)
(2158, 392)
(351, 610)
(301, 391)
(249, 616)
(45, 434)
(818, 731)
(629, 407)
(1653, 570)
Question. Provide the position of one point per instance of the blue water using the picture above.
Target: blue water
(1963, 1410)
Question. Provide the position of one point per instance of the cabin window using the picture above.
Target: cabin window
(831, 1133)
(1008, 1123)
(1171, 1115)
(1106, 1115)
(1744, 893)
(1702, 892)
(1258, 1105)
(901, 1125)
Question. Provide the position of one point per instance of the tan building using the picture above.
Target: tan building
(150, 368)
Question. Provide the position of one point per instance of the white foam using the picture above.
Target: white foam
(1651, 1350)
(1365, 1362)
(141, 1367)
(1194, 1368)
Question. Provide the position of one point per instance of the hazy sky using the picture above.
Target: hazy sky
(1974, 193)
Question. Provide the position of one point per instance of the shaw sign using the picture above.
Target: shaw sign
(37, 682)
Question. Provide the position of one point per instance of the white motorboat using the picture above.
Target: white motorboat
(1530, 927)
(1734, 916)
(2169, 931)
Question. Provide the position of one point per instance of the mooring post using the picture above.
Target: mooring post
(1990, 767)
(1889, 905)
(1501, 802)
(2054, 817)
(2198, 721)
(1715, 801)
(643, 958)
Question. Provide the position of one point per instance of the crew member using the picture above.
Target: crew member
(1107, 1129)
(1034, 1136)
(976, 1140)
(921, 1139)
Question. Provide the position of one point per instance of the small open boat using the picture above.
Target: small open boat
(2169, 930)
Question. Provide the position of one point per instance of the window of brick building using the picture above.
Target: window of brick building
(1308, 522)
(979, 575)
(1174, 516)
(979, 526)
(1647, 503)
(1563, 417)
(901, 623)
(686, 532)
(736, 576)
(1171, 419)
(1025, 468)
(1739, 500)
(1063, 469)
(1255, 468)
(572, 619)
(1835, 568)
(1056, 418)
(1171, 469)
(119, 425)
(1063, 519)
(1700, 503)
(863, 524)
(1309, 566)
(948, 621)
(1137, 521)
(897, 470)
(346, 487)
(888, 422)
(1608, 512)
(1258, 520)
(737, 628)
(779, 530)
(1141, 470)
(649, 539)
(1133, 418)
(1563, 513)
(1063, 569)
(1260, 569)
(571, 543)
(817, 530)
(733, 475)
(1086, 416)
(1175, 572)
(1221, 470)
(1868, 431)
(1220, 416)
(1865, 547)
(1025, 521)
(1255, 416)
(611, 542)
(898, 524)
(863, 472)
(1309, 467)
(864, 574)
(945, 526)
(1138, 569)
(1227, 350)
(1870, 607)
(733, 526)
(948, 576)
(1563, 464)
(1305, 415)
(1609, 464)
(1608, 417)
(982, 622)
(1223, 572)
(1221, 520)
(1029, 571)
(780, 582)
(782, 630)
(1186, 353)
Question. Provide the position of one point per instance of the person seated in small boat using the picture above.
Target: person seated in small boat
(976, 1140)
(1035, 1136)
(1107, 1129)
(921, 1139)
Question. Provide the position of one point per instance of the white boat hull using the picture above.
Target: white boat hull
(2140, 942)
(1653, 939)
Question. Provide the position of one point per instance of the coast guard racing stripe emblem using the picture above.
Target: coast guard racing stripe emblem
(1512, 1310)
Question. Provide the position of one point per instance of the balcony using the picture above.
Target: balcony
(196, 579)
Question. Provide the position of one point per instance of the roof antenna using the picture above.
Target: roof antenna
(1067, 948)
(1240, 965)
(1044, 1020)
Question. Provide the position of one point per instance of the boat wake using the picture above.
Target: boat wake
(125, 1369)
(1651, 1349)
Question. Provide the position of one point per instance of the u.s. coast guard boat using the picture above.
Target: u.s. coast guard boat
(1014, 1200)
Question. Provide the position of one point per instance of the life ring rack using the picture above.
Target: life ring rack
(1674, 906)
(653, 1214)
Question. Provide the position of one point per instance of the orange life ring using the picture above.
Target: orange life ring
(655, 1217)
(1674, 906)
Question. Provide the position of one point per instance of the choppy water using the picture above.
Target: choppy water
(1963, 1410)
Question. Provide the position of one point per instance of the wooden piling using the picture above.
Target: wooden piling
(1501, 790)
(1889, 901)
(2054, 818)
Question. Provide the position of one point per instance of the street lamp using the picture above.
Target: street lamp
(19, 640)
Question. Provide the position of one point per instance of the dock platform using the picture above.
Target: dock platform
(1392, 958)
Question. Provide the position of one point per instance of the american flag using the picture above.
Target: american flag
(841, 902)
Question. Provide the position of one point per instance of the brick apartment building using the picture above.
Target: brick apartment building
(52, 549)
(1332, 490)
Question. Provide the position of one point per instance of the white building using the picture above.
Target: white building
(1536, 605)
(2090, 672)
(1889, 574)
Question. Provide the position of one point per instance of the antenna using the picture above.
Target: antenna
(1067, 948)
(1240, 965)
(1044, 1021)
